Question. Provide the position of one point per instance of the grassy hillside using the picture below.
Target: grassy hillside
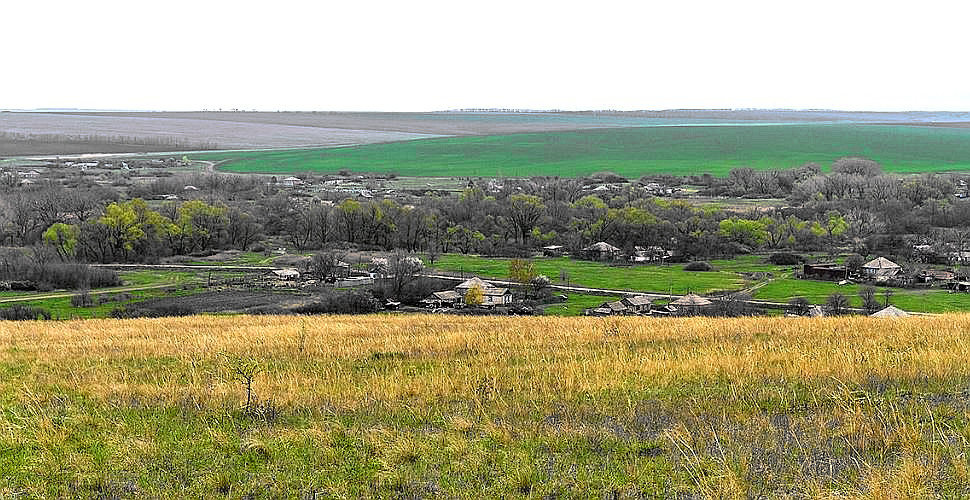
(630, 151)
(383, 406)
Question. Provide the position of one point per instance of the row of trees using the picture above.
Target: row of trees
(870, 213)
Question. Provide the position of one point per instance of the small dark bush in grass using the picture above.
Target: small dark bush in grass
(24, 313)
(161, 311)
(698, 266)
(351, 302)
(21, 286)
(46, 276)
(82, 299)
(785, 259)
(799, 306)
(837, 304)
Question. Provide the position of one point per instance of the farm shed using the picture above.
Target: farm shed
(446, 298)
(881, 267)
(552, 250)
(828, 272)
(937, 275)
(286, 274)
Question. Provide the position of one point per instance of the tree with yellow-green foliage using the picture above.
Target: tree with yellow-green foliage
(133, 228)
(475, 296)
(521, 270)
(63, 237)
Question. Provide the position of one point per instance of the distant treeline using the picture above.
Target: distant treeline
(175, 143)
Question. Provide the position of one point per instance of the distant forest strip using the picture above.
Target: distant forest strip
(28, 140)
(631, 152)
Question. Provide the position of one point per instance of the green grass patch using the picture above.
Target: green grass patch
(576, 303)
(629, 151)
(661, 279)
(147, 277)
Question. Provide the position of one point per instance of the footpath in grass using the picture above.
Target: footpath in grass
(629, 151)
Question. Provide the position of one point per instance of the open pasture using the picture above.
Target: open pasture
(428, 405)
(631, 152)
(728, 274)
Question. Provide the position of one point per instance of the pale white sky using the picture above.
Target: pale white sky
(433, 55)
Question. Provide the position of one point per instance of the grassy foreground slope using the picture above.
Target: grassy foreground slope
(630, 151)
(428, 405)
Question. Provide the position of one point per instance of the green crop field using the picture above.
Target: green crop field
(628, 151)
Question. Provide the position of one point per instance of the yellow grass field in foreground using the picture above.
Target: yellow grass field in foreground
(427, 405)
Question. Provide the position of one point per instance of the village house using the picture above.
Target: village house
(602, 251)
(889, 312)
(638, 304)
(291, 181)
(880, 267)
(691, 304)
(491, 295)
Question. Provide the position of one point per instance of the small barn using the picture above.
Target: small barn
(828, 272)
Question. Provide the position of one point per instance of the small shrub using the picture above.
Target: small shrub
(698, 266)
(351, 302)
(785, 259)
(799, 306)
(82, 299)
(24, 313)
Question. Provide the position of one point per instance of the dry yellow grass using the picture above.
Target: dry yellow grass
(733, 407)
(313, 359)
